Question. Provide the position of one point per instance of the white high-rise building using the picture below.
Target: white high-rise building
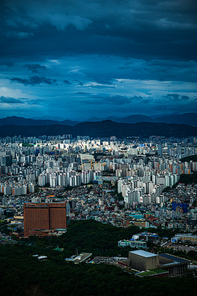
(77, 179)
(72, 181)
(7, 190)
(31, 188)
(24, 189)
(42, 180)
(53, 180)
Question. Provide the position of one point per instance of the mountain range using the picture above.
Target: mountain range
(186, 118)
(21, 121)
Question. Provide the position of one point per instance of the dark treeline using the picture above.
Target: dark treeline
(188, 179)
(89, 236)
(94, 237)
(21, 274)
(104, 128)
(188, 158)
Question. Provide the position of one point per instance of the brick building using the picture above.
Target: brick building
(44, 216)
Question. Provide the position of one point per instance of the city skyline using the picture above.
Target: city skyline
(79, 59)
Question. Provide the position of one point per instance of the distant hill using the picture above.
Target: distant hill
(135, 118)
(186, 118)
(69, 122)
(129, 119)
(103, 129)
(54, 118)
(14, 120)
(108, 128)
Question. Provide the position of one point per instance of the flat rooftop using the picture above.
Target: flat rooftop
(82, 257)
(152, 272)
(175, 258)
(143, 253)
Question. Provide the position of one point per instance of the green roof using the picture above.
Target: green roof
(151, 272)
(58, 249)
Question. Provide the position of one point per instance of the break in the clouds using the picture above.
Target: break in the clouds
(84, 58)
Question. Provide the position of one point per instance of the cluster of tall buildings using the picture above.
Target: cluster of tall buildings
(141, 169)
(16, 188)
(67, 177)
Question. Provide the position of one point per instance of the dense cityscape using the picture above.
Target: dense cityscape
(125, 183)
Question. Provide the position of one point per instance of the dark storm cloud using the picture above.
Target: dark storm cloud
(80, 83)
(136, 98)
(82, 93)
(35, 68)
(7, 64)
(13, 101)
(104, 99)
(124, 67)
(130, 56)
(167, 108)
(121, 100)
(20, 35)
(146, 101)
(172, 70)
(9, 100)
(36, 102)
(66, 82)
(158, 69)
(102, 85)
(128, 28)
(34, 80)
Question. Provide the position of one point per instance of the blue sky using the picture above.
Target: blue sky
(81, 58)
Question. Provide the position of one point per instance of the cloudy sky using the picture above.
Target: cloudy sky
(82, 58)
